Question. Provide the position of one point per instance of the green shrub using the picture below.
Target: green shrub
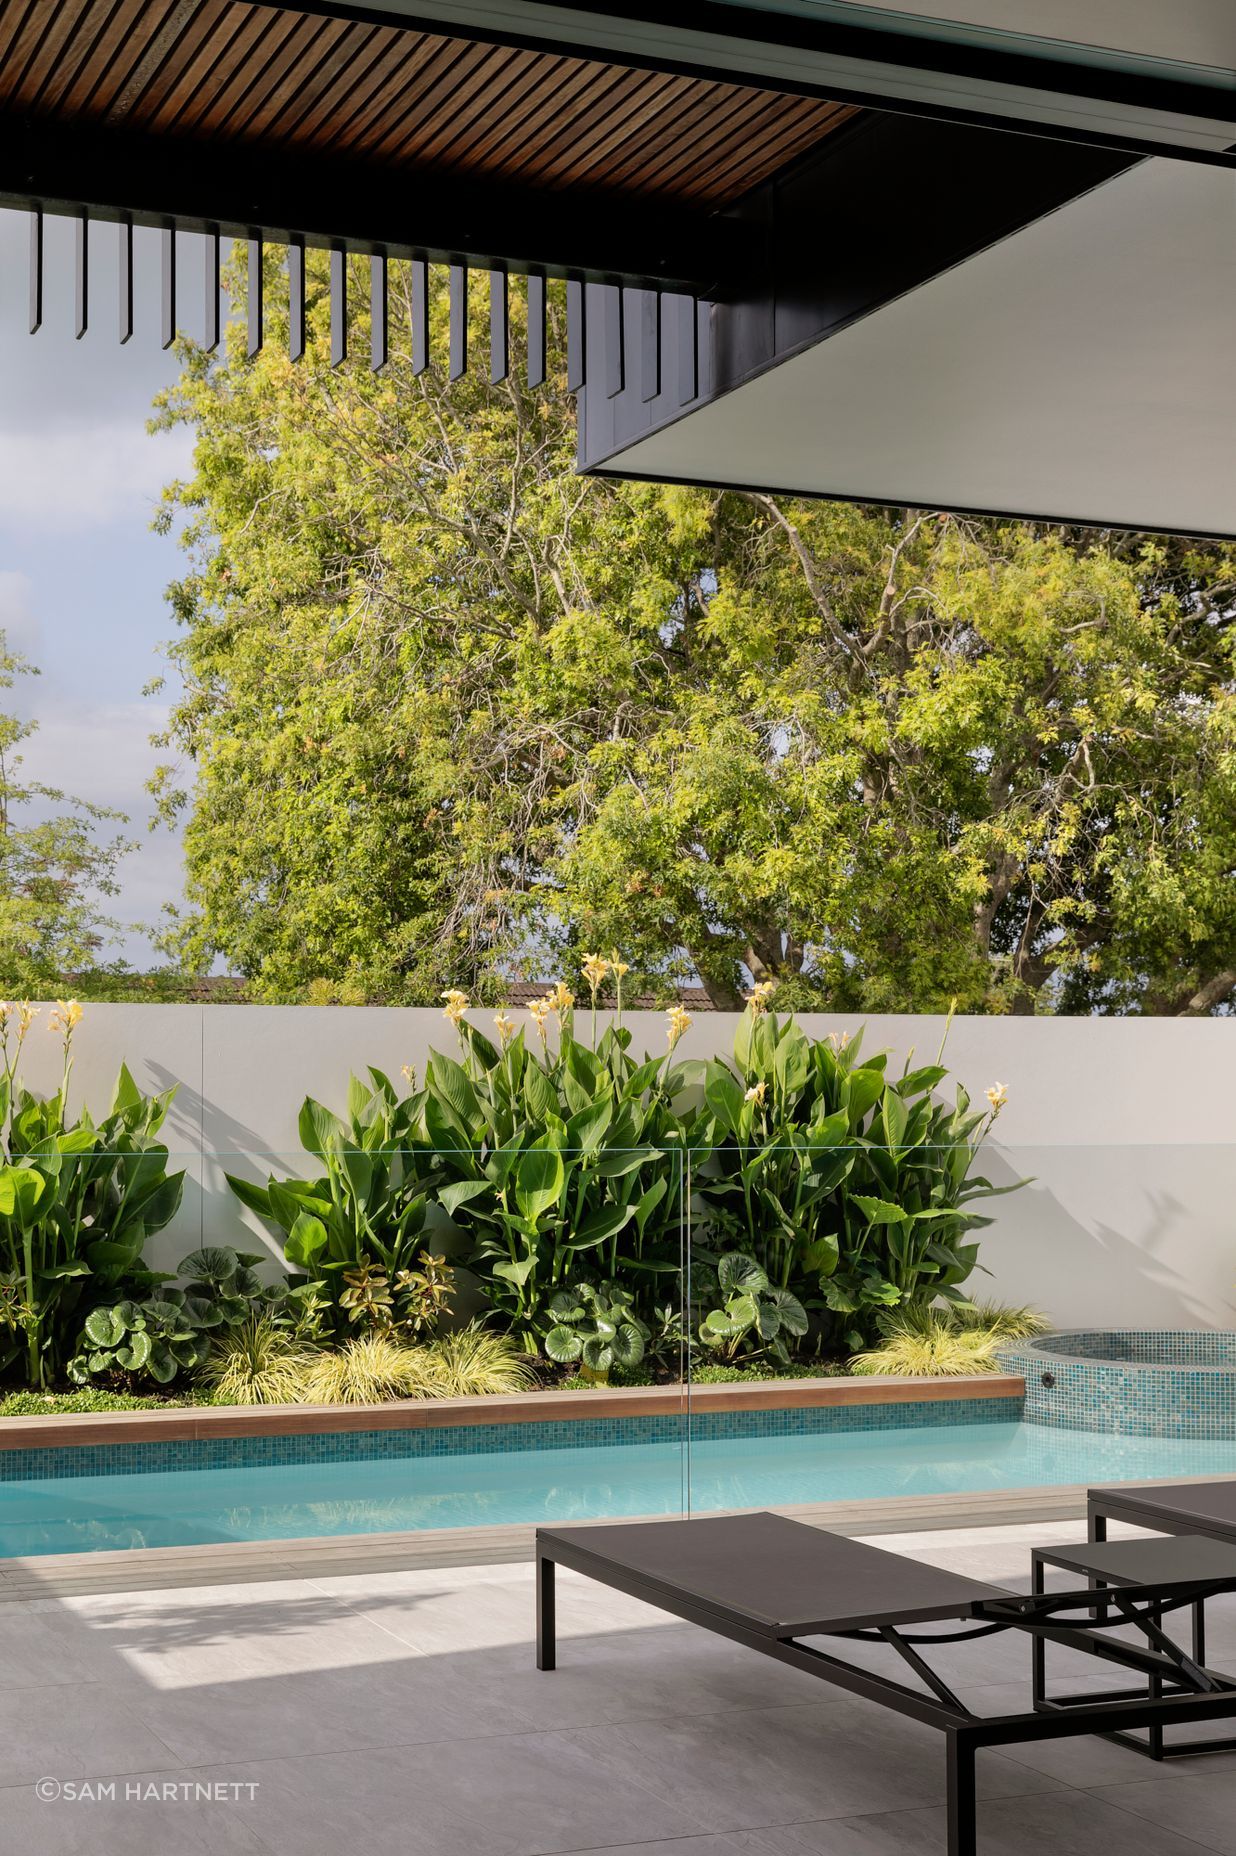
(598, 1327)
(754, 1317)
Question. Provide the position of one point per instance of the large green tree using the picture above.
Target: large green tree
(55, 870)
(449, 706)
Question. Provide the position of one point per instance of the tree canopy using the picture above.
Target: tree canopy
(54, 869)
(451, 711)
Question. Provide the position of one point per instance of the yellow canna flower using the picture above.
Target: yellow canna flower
(26, 1015)
(595, 969)
(66, 1017)
(561, 999)
(618, 968)
(408, 1073)
(539, 1011)
(997, 1095)
(506, 1028)
(679, 1021)
(456, 1005)
(757, 1092)
(759, 996)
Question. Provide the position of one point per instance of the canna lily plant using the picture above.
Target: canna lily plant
(561, 1161)
(361, 1221)
(850, 1187)
(78, 1199)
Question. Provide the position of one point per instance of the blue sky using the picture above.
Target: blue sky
(81, 575)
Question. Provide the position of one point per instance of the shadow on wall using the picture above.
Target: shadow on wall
(210, 1213)
(1109, 1244)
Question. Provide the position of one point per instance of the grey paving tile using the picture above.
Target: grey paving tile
(1090, 1762)
(357, 1801)
(620, 1676)
(203, 1637)
(282, 1716)
(34, 1653)
(68, 1732)
(1200, 1803)
(518, 1795)
(487, 1616)
(781, 1764)
(1061, 1823)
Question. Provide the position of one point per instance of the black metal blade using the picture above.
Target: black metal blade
(36, 270)
(378, 340)
(536, 330)
(124, 279)
(210, 292)
(255, 332)
(167, 239)
(338, 306)
(81, 274)
(459, 322)
(296, 299)
(420, 315)
(499, 327)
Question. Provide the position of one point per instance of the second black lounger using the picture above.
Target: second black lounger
(770, 1583)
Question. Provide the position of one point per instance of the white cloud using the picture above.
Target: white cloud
(17, 621)
(65, 480)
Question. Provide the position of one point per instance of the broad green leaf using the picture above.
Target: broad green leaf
(879, 1211)
(462, 1192)
(600, 1224)
(306, 1241)
(539, 1179)
(320, 1132)
(723, 1094)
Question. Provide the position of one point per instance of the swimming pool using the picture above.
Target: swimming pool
(357, 1494)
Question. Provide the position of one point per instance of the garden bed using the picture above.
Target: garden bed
(194, 1422)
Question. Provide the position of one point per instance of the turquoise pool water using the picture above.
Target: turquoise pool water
(179, 1507)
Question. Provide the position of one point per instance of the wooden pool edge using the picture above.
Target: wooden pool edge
(52, 1577)
(197, 1423)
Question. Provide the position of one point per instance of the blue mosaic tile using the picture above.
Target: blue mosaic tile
(475, 1439)
(1169, 1383)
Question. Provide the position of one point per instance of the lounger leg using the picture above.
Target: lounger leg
(1097, 1528)
(1038, 1647)
(962, 1832)
(546, 1640)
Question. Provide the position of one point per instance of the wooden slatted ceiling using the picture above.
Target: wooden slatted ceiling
(224, 71)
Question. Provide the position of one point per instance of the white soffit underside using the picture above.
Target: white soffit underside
(1199, 32)
(1084, 368)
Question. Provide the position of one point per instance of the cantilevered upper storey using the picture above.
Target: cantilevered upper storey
(969, 253)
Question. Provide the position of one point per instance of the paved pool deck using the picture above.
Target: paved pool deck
(397, 1711)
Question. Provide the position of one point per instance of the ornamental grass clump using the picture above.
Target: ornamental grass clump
(367, 1370)
(473, 1362)
(258, 1363)
(947, 1343)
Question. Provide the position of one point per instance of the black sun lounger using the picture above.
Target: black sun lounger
(1167, 1508)
(770, 1583)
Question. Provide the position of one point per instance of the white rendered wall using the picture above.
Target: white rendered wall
(1125, 1124)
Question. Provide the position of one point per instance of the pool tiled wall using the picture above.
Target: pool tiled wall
(1177, 1383)
(350, 1446)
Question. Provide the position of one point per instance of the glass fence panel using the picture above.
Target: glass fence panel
(490, 1331)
